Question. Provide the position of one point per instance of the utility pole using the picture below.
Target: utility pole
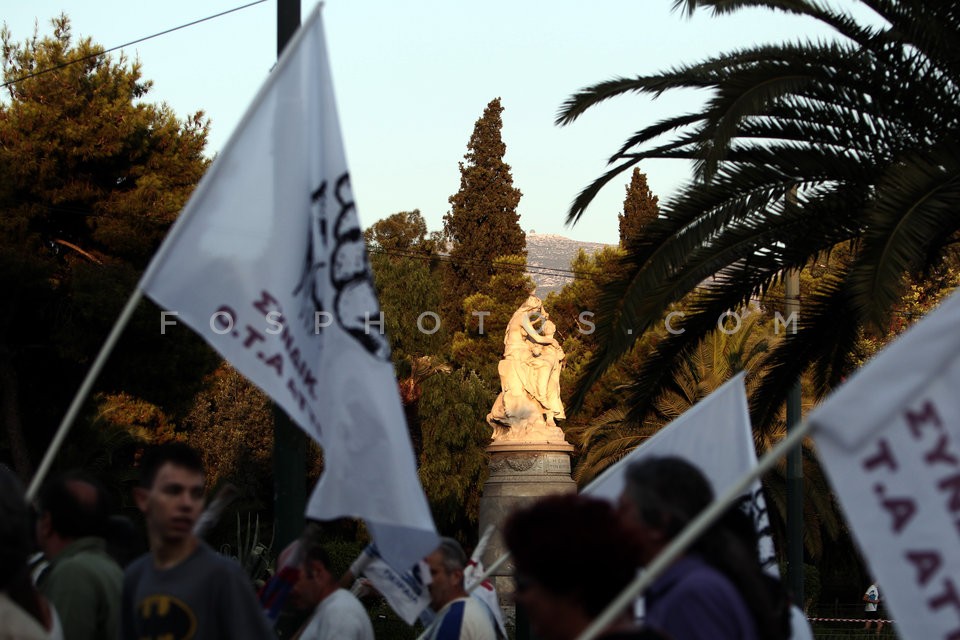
(288, 21)
(289, 442)
(795, 457)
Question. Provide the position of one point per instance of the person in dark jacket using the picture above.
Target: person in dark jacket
(572, 557)
(83, 582)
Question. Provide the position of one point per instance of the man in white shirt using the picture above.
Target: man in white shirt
(338, 615)
(870, 610)
(459, 617)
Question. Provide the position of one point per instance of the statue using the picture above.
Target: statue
(548, 361)
(529, 402)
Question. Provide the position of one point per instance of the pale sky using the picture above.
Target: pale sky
(412, 77)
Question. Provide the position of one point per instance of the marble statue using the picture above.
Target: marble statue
(529, 402)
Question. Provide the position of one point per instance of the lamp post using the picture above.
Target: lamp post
(289, 443)
(795, 457)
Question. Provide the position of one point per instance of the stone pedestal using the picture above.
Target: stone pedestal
(520, 472)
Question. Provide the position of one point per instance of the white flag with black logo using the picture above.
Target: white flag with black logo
(714, 435)
(407, 592)
(267, 262)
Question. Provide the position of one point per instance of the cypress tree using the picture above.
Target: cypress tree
(639, 208)
(483, 223)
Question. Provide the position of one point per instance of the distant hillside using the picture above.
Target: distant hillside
(549, 255)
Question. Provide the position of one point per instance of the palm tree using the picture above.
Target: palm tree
(716, 359)
(865, 131)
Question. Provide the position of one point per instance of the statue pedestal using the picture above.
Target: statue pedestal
(520, 472)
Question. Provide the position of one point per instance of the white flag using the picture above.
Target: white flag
(407, 592)
(714, 435)
(485, 592)
(889, 440)
(268, 264)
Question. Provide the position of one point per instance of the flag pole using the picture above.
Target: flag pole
(83, 392)
(489, 572)
(694, 530)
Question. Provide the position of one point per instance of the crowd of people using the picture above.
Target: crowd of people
(572, 556)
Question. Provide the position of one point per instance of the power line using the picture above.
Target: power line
(535, 270)
(442, 257)
(399, 253)
(122, 46)
(568, 274)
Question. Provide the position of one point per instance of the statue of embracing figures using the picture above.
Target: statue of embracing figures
(529, 402)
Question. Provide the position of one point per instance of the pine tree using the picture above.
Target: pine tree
(91, 177)
(408, 281)
(483, 223)
(639, 207)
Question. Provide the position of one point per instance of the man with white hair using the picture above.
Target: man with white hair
(459, 617)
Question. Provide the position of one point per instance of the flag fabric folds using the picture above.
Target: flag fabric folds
(484, 591)
(267, 262)
(889, 440)
(716, 436)
(407, 592)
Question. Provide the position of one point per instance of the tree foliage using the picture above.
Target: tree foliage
(406, 270)
(231, 424)
(415, 372)
(573, 310)
(740, 346)
(119, 426)
(801, 148)
(478, 346)
(453, 410)
(92, 177)
(407, 276)
(96, 171)
(639, 208)
(402, 233)
(482, 224)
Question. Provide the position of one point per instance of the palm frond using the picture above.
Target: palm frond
(864, 129)
(914, 207)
